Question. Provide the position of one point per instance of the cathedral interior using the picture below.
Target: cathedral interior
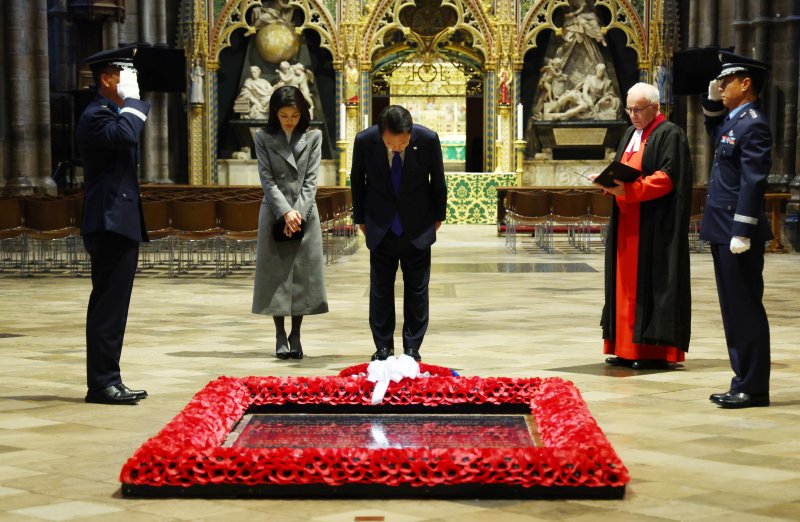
(523, 94)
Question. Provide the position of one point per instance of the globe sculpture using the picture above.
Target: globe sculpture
(277, 42)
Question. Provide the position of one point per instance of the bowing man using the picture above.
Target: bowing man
(399, 201)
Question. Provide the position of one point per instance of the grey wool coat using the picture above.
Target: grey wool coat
(290, 277)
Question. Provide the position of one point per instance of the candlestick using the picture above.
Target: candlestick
(342, 122)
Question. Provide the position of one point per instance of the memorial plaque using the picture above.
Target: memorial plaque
(579, 136)
(382, 431)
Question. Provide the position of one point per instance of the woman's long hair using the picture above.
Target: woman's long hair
(287, 96)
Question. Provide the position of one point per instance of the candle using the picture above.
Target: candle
(366, 121)
(342, 122)
(499, 128)
(519, 121)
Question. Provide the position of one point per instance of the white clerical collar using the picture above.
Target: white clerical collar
(636, 141)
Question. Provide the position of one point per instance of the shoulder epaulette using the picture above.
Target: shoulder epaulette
(753, 114)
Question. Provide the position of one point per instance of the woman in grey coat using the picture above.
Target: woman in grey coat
(290, 277)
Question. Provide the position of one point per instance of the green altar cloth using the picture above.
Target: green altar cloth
(472, 198)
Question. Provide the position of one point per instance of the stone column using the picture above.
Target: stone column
(160, 102)
(788, 78)
(5, 149)
(110, 33)
(28, 98)
(740, 27)
(704, 31)
(155, 136)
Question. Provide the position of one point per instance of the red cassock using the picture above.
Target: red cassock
(647, 188)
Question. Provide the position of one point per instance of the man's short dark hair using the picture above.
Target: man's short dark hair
(99, 70)
(395, 119)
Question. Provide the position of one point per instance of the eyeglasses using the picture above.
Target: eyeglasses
(637, 110)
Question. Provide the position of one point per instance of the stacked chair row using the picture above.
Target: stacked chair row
(582, 216)
(579, 216)
(206, 229)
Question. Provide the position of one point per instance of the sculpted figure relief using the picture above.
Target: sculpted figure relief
(196, 92)
(351, 80)
(253, 100)
(276, 11)
(574, 83)
(297, 76)
(593, 99)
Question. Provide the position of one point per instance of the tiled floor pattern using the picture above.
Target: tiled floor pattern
(492, 313)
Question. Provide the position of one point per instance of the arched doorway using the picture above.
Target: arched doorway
(431, 56)
(445, 95)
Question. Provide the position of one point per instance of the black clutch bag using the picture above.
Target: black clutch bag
(279, 235)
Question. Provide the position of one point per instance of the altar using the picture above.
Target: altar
(472, 197)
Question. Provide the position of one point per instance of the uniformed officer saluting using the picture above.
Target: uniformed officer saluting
(735, 224)
(112, 226)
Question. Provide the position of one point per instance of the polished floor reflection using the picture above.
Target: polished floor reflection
(492, 313)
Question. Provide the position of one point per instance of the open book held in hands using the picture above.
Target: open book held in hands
(617, 170)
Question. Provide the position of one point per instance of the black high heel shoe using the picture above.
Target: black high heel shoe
(282, 348)
(296, 351)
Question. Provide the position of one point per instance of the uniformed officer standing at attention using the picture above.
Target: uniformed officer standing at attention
(112, 226)
(735, 224)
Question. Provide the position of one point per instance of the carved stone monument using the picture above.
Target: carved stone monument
(577, 100)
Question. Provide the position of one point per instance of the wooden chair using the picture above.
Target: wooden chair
(570, 209)
(238, 223)
(195, 235)
(600, 206)
(531, 212)
(13, 243)
(156, 220)
(327, 220)
(51, 226)
(695, 217)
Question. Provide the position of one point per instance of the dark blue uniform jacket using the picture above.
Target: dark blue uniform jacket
(108, 139)
(736, 186)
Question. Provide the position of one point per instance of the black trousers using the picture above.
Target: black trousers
(740, 285)
(416, 267)
(114, 258)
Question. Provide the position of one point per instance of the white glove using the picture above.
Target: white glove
(740, 244)
(714, 91)
(128, 86)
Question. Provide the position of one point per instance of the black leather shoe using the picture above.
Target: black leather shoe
(618, 361)
(296, 351)
(650, 364)
(412, 352)
(381, 354)
(714, 397)
(142, 394)
(742, 400)
(282, 348)
(111, 395)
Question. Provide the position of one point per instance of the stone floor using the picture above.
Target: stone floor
(492, 313)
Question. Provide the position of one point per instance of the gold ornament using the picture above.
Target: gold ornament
(277, 42)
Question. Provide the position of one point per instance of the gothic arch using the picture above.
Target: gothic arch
(234, 17)
(384, 18)
(623, 17)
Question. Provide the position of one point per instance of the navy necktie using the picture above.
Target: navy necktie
(396, 173)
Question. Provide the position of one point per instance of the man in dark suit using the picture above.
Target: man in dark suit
(399, 201)
(112, 226)
(735, 224)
